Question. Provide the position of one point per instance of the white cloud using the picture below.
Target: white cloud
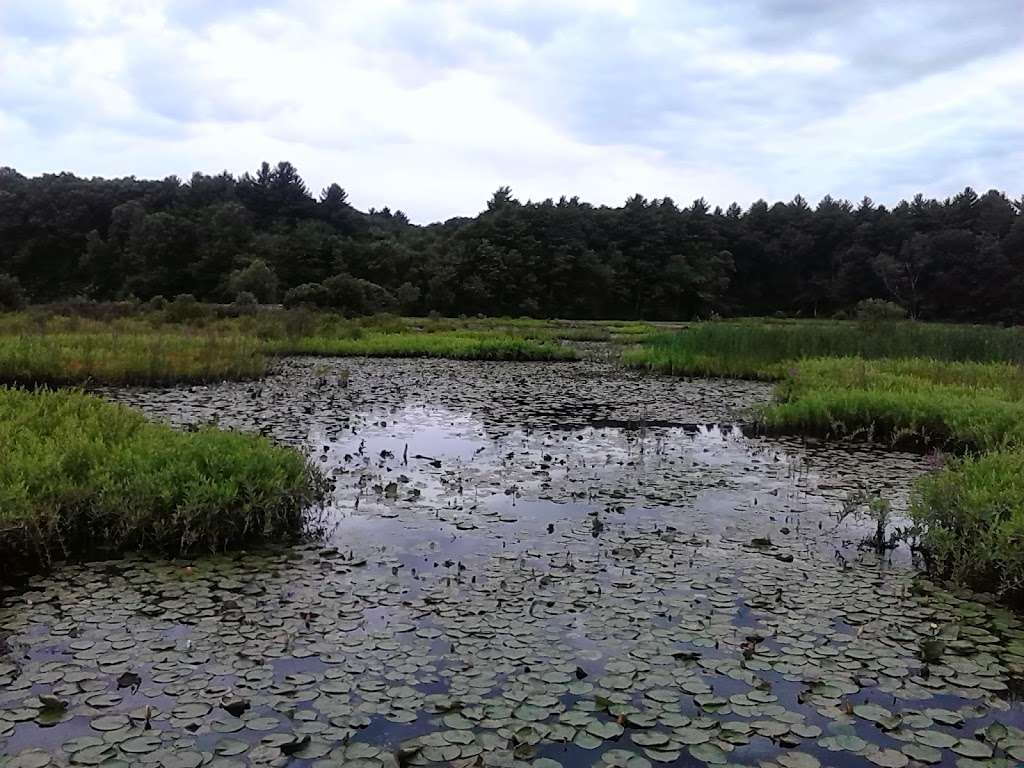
(429, 105)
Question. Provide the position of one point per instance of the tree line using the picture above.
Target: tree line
(266, 237)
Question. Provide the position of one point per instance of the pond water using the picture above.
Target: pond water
(532, 563)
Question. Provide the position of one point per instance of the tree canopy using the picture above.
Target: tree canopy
(268, 236)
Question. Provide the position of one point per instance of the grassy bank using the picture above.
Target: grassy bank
(972, 515)
(955, 388)
(80, 476)
(122, 358)
(451, 344)
(160, 348)
(766, 349)
(930, 403)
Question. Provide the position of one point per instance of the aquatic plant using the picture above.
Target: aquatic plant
(972, 516)
(958, 388)
(37, 348)
(762, 349)
(453, 345)
(79, 475)
(127, 358)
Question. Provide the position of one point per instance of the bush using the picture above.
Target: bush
(355, 296)
(156, 304)
(408, 297)
(307, 295)
(246, 299)
(258, 278)
(79, 476)
(185, 308)
(878, 310)
(971, 517)
(12, 295)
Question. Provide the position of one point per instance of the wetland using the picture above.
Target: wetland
(520, 563)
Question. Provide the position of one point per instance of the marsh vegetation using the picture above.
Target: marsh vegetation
(523, 557)
(946, 388)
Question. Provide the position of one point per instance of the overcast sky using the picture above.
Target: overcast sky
(429, 105)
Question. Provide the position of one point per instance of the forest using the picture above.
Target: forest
(266, 237)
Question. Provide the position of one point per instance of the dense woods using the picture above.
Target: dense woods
(266, 237)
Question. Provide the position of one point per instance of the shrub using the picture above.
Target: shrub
(408, 297)
(876, 310)
(258, 278)
(156, 304)
(307, 294)
(355, 296)
(12, 295)
(185, 308)
(245, 299)
(971, 517)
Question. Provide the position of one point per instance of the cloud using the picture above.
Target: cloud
(429, 105)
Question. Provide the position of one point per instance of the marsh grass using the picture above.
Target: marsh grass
(929, 403)
(79, 475)
(956, 388)
(128, 358)
(972, 517)
(764, 349)
(453, 345)
(37, 348)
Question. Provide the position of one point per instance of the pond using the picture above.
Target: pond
(521, 564)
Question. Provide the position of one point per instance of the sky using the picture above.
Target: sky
(428, 106)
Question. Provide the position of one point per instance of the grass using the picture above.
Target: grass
(765, 349)
(128, 358)
(37, 348)
(956, 406)
(79, 475)
(449, 344)
(958, 388)
(972, 517)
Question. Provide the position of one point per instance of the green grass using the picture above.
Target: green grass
(972, 515)
(958, 388)
(59, 350)
(764, 349)
(452, 345)
(957, 406)
(80, 476)
(128, 358)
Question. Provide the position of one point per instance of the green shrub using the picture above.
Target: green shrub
(12, 296)
(79, 475)
(355, 296)
(185, 308)
(875, 310)
(245, 300)
(257, 279)
(307, 294)
(971, 516)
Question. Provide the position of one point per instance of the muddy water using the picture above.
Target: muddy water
(521, 563)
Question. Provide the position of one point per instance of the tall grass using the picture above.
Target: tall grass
(452, 345)
(972, 516)
(127, 358)
(80, 475)
(762, 349)
(959, 388)
(958, 406)
(58, 350)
